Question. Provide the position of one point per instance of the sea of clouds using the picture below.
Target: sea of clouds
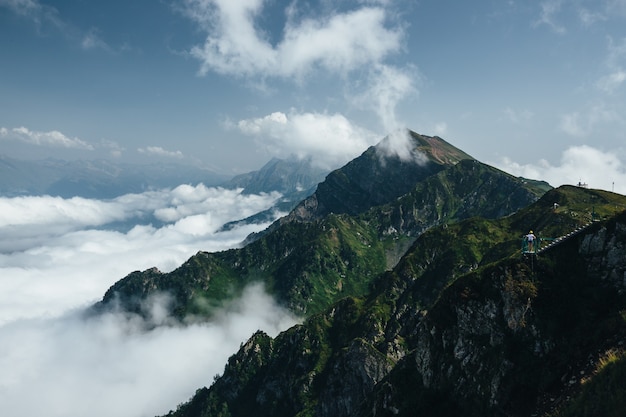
(58, 257)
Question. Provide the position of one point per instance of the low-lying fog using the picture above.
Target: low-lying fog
(59, 256)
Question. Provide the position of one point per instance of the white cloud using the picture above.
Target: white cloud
(352, 43)
(584, 163)
(58, 256)
(108, 365)
(399, 144)
(49, 242)
(338, 43)
(159, 151)
(385, 88)
(330, 140)
(51, 138)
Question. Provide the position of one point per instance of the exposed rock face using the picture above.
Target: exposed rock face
(606, 253)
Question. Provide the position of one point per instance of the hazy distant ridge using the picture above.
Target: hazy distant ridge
(95, 179)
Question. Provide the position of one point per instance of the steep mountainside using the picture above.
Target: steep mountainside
(464, 325)
(309, 265)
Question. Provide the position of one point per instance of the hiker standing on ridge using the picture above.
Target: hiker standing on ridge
(530, 238)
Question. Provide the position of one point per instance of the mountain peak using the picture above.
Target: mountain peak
(379, 175)
(408, 145)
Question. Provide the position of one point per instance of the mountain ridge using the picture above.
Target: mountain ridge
(422, 303)
(497, 339)
(310, 264)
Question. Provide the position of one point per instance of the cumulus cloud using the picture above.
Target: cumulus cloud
(353, 42)
(61, 249)
(339, 42)
(58, 256)
(599, 169)
(159, 151)
(52, 138)
(330, 140)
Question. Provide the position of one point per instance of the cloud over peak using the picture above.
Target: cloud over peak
(330, 140)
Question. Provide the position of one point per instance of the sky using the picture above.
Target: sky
(537, 88)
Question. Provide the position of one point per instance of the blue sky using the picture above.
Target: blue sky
(535, 87)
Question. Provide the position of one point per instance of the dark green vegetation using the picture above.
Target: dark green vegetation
(417, 299)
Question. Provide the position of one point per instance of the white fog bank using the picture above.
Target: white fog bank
(58, 256)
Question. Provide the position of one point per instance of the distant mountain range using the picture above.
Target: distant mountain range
(95, 178)
(294, 178)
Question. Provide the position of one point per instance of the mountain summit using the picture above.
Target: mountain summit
(382, 173)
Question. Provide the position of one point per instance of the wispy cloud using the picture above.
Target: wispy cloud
(615, 63)
(52, 138)
(353, 45)
(159, 151)
(385, 87)
(518, 116)
(34, 10)
(44, 16)
(547, 15)
(339, 42)
(583, 124)
(330, 140)
(93, 40)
